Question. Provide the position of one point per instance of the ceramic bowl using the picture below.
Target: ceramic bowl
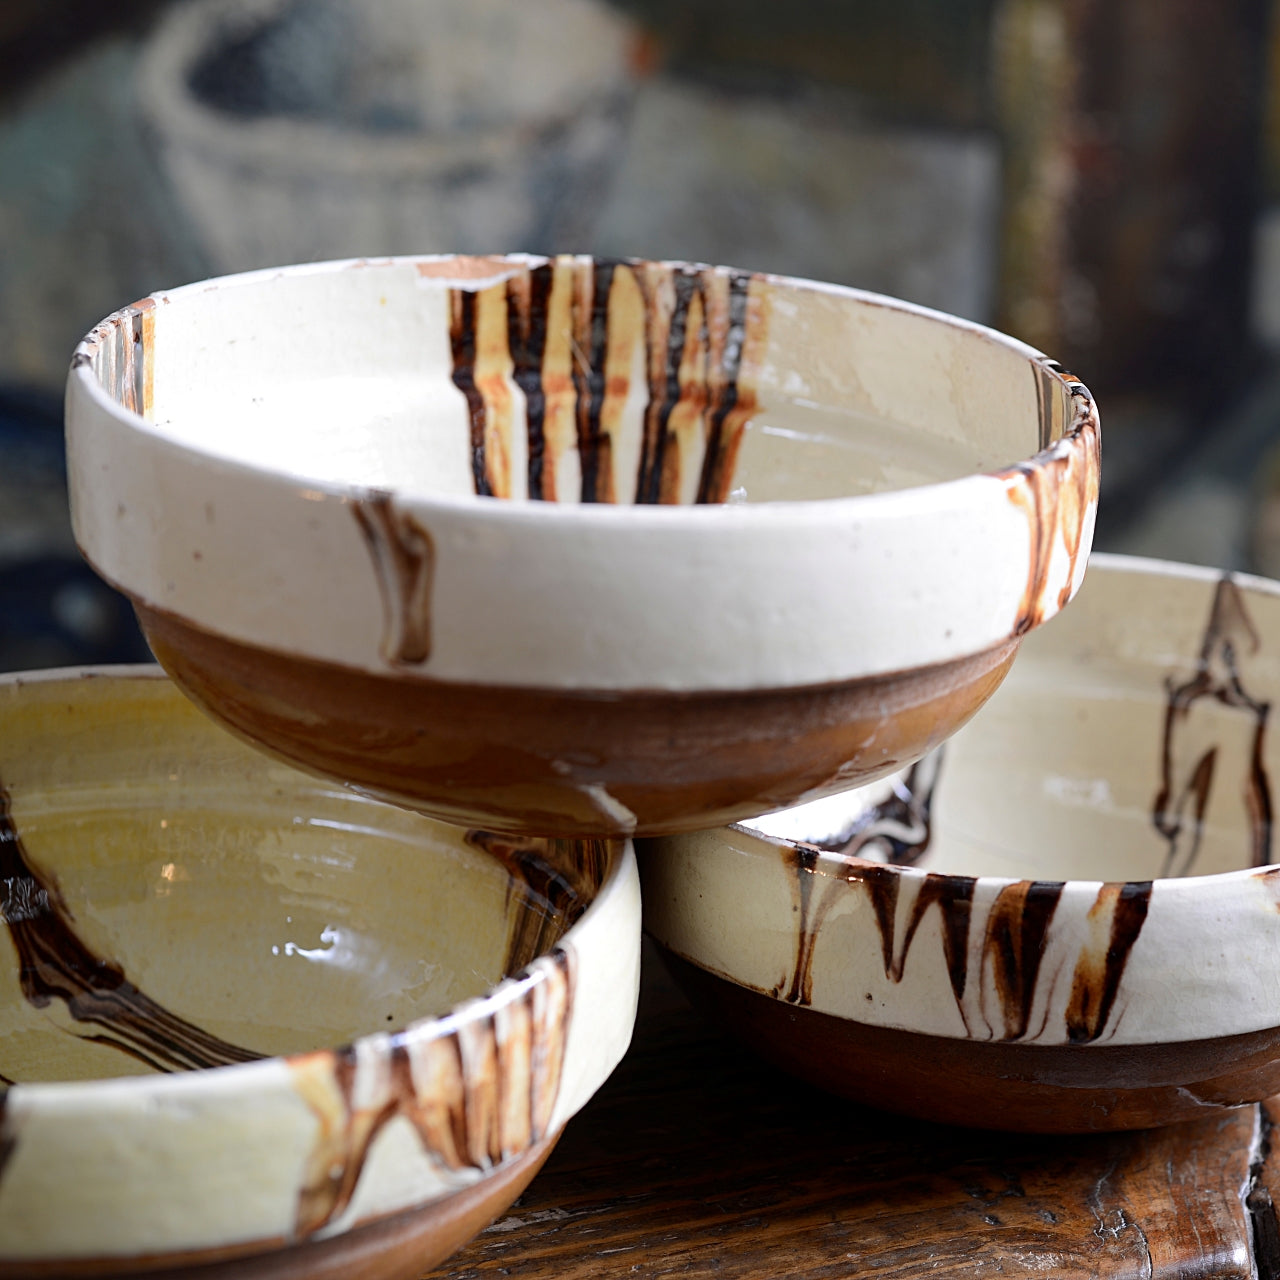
(191, 930)
(1064, 920)
(574, 546)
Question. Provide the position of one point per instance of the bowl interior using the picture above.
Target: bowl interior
(1130, 742)
(174, 900)
(578, 380)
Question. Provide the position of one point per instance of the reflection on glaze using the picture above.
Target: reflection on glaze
(54, 964)
(479, 1089)
(1188, 761)
(404, 559)
(569, 334)
(556, 880)
(1058, 494)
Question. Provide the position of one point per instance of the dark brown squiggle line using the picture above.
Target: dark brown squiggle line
(404, 559)
(900, 825)
(556, 879)
(54, 964)
(1228, 634)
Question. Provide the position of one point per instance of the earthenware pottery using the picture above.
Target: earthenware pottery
(1065, 919)
(300, 131)
(261, 1026)
(573, 546)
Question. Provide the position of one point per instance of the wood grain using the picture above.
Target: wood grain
(699, 1160)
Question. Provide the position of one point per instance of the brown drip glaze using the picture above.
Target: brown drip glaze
(952, 895)
(1016, 936)
(808, 924)
(404, 559)
(477, 1093)
(1016, 931)
(733, 402)
(54, 964)
(528, 300)
(1180, 804)
(1100, 967)
(702, 330)
(462, 342)
(556, 880)
(591, 341)
(1056, 491)
(121, 356)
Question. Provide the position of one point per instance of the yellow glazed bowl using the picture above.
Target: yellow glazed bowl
(253, 1020)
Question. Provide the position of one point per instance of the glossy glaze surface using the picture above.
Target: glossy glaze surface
(319, 1010)
(1086, 865)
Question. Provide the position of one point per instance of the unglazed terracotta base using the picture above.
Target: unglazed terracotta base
(532, 761)
(1025, 1088)
(400, 1246)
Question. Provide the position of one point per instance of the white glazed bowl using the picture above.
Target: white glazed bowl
(1064, 920)
(192, 930)
(786, 541)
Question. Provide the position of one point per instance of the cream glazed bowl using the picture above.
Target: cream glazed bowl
(574, 546)
(190, 930)
(1066, 919)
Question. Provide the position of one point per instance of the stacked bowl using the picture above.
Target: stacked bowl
(495, 565)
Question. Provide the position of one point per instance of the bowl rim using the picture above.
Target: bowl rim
(1106, 563)
(239, 1076)
(959, 492)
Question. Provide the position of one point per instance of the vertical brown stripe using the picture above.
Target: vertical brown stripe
(591, 329)
(1096, 981)
(528, 297)
(664, 387)
(953, 896)
(716, 474)
(1016, 938)
(462, 341)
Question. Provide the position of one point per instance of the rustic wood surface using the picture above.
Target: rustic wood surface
(696, 1159)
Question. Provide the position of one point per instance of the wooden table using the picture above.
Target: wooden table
(697, 1159)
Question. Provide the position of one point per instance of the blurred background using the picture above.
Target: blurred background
(1098, 177)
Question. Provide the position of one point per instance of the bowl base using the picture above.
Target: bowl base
(567, 762)
(1024, 1088)
(400, 1246)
